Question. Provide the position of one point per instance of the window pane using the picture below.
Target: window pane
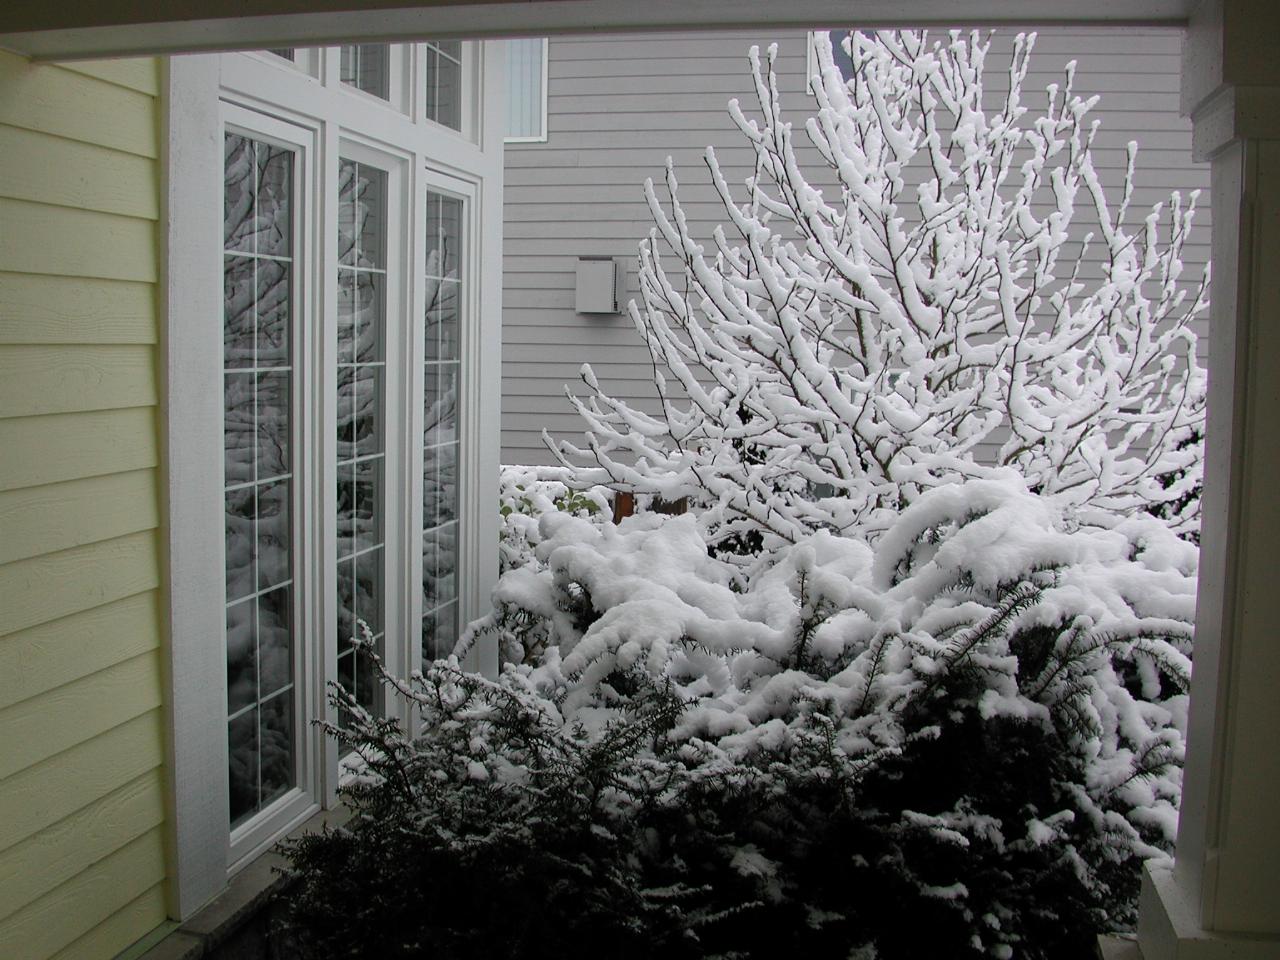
(273, 227)
(440, 424)
(238, 307)
(443, 83)
(238, 428)
(526, 98)
(238, 194)
(366, 66)
(275, 654)
(285, 53)
(361, 408)
(258, 465)
(242, 657)
(839, 55)
(275, 738)
(240, 534)
(272, 308)
(439, 632)
(242, 766)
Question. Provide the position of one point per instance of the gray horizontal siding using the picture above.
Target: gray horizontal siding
(619, 106)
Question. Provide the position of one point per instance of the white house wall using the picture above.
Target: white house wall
(619, 105)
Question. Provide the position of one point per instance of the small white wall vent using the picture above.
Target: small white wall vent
(600, 285)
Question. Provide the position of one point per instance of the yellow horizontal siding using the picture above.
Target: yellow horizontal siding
(49, 655)
(56, 787)
(69, 104)
(82, 800)
(79, 711)
(64, 914)
(59, 584)
(68, 446)
(51, 169)
(58, 516)
(55, 855)
(120, 930)
(36, 308)
(42, 238)
(40, 379)
(142, 75)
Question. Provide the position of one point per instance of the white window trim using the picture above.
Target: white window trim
(306, 60)
(199, 850)
(546, 72)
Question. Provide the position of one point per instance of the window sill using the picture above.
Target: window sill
(223, 927)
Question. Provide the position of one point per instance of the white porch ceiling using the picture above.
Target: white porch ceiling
(44, 30)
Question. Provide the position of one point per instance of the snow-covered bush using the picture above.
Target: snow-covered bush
(915, 312)
(525, 494)
(962, 743)
(498, 833)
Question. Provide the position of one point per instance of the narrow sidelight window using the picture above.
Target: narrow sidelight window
(440, 427)
(257, 427)
(361, 424)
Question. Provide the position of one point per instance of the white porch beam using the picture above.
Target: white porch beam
(62, 31)
(1222, 899)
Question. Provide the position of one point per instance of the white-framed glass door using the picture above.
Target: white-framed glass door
(368, 380)
(268, 301)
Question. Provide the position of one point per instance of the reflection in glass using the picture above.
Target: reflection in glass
(439, 632)
(238, 192)
(242, 765)
(271, 413)
(273, 229)
(273, 534)
(346, 602)
(275, 664)
(439, 561)
(346, 316)
(440, 440)
(361, 399)
(242, 661)
(369, 311)
(257, 464)
(443, 82)
(275, 741)
(444, 236)
(238, 333)
(272, 302)
(366, 66)
(440, 424)
(239, 546)
(366, 507)
(238, 428)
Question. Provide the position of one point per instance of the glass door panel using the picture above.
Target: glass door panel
(361, 420)
(258, 470)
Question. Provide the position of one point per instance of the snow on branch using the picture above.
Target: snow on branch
(915, 312)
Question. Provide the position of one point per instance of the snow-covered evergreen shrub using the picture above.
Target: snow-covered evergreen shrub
(835, 349)
(962, 744)
(506, 830)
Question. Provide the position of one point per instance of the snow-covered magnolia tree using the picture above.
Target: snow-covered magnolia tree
(836, 349)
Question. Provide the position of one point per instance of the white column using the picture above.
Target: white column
(1222, 898)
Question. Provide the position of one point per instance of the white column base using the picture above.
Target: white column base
(1169, 926)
